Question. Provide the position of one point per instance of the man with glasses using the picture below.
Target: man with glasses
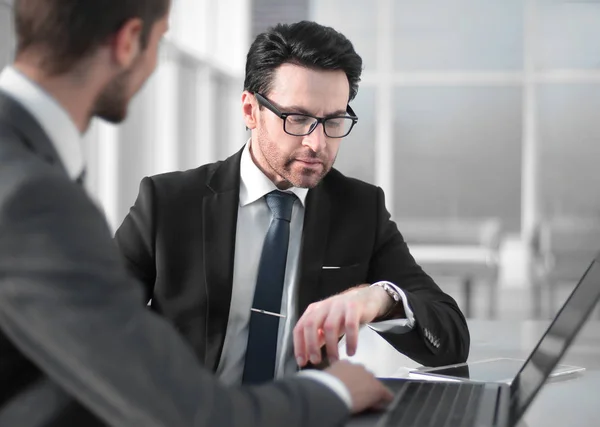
(264, 260)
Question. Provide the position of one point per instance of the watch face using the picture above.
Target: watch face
(391, 292)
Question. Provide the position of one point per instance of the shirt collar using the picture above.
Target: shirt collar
(53, 119)
(255, 184)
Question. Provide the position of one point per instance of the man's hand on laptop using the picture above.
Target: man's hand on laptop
(324, 322)
(367, 392)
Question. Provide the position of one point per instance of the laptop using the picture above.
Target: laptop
(487, 404)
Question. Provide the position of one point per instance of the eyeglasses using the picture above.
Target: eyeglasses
(297, 124)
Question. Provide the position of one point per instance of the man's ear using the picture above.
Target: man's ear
(126, 42)
(249, 110)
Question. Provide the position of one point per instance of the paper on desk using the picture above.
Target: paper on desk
(412, 374)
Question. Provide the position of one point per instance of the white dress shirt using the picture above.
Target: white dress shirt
(53, 119)
(254, 218)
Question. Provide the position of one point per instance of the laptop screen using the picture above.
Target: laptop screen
(555, 342)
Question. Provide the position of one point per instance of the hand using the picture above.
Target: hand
(324, 322)
(367, 392)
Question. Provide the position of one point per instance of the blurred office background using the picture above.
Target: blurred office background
(479, 118)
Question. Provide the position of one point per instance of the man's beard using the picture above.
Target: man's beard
(112, 103)
(306, 178)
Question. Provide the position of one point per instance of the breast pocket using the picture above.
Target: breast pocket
(336, 278)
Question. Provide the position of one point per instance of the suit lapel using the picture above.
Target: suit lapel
(219, 213)
(314, 243)
(15, 116)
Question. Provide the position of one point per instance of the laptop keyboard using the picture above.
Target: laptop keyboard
(427, 404)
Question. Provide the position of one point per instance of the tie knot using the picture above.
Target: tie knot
(281, 204)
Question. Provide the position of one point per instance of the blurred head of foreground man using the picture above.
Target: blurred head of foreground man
(77, 345)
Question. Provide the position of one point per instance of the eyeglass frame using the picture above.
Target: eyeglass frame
(264, 101)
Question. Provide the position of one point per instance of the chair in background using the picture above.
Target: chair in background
(463, 249)
(562, 251)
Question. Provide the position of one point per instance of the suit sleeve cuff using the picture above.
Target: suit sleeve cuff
(331, 382)
(396, 325)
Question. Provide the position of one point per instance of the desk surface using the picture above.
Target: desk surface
(573, 401)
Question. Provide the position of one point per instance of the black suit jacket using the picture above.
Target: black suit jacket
(179, 241)
(77, 346)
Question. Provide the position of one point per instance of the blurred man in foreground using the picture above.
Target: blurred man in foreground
(77, 346)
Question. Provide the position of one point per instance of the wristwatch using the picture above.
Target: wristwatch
(389, 289)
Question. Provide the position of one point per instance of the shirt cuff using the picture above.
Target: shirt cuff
(396, 325)
(331, 382)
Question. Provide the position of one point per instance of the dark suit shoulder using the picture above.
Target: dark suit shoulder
(343, 186)
(175, 184)
(12, 147)
(19, 165)
(190, 176)
(201, 173)
(218, 177)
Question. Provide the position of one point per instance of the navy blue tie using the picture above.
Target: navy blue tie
(262, 336)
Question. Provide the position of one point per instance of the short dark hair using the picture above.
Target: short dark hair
(67, 31)
(304, 43)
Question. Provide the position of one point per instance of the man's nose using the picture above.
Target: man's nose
(316, 140)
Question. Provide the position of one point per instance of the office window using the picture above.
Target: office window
(191, 26)
(229, 126)
(487, 97)
(6, 34)
(266, 13)
(568, 101)
(190, 119)
(188, 112)
(570, 154)
(356, 157)
(567, 34)
(463, 35)
(355, 19)
(457, 153)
